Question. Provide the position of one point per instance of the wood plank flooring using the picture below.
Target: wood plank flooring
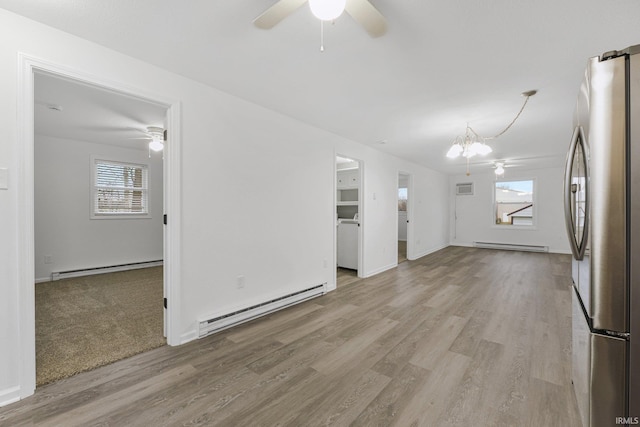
(462, 337)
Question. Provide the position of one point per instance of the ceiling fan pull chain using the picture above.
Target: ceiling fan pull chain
(321, 36)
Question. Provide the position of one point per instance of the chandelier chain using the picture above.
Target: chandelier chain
(508, 126)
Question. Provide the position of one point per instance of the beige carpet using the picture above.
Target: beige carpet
(87, 322)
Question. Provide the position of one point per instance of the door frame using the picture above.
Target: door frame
(409, 213)
(24, 146)
(360, 214)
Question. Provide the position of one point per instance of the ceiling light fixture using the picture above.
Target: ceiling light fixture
(327, 10)
(468, 145)
(499, 168)
(157, 139)
(471, 143)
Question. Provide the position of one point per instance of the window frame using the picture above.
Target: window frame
(534, 225)
(95, 160)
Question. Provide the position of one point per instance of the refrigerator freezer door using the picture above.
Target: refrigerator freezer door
(608, 189)
(581, 358)
(599, 373)
(608, 380)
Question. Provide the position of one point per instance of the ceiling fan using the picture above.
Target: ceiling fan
(155, 136)
(362, 11)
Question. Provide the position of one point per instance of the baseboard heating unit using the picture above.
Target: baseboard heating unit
(216, 324)
(511, 247)
(100, 270)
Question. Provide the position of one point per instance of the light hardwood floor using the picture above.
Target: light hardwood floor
(462, 337)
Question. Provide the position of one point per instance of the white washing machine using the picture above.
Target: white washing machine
(348, 243)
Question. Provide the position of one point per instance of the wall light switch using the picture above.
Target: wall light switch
(4, 179)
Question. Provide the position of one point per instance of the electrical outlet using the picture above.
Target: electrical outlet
(48, 259)
(240, 282)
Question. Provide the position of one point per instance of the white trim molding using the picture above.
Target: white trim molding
(432, 250)
(27, 66)
(9, 396)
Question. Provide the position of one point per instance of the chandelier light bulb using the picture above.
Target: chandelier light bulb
(468, 153)
(484, 149)
(454, 151)
(327, 10)
(475, 148)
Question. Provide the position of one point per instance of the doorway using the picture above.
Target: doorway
(348, 219)
(24, 146)
(91, 147)
(403, 218)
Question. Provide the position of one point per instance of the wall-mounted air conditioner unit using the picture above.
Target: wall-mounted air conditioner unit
(464, 189)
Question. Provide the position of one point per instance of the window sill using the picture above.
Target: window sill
(121, 216)
(515, 227)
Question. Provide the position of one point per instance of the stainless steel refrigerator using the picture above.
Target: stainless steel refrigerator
(602, 210)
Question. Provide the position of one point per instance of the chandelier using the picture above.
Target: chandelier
(471, 143)
(468, 145)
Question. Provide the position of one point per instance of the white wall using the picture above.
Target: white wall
(472, 216)
(63, 225)
(244, 170)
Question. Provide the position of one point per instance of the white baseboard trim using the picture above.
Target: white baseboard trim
(101, 270)
(330, 287)
(551, 250)
(427, 252)
(9, 396)
(560, 251)
(464, 245)
(380, 270)
(191, 335)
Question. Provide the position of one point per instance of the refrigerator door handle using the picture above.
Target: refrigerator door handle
(577, 248)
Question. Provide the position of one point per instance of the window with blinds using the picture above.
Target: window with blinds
(120, 189)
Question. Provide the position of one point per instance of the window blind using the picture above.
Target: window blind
(120, 188)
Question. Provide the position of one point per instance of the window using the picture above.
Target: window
(402, 199)
(119, 190)
(514, 203)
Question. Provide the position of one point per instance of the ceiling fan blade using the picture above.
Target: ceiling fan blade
(367, 16)
(277, 13)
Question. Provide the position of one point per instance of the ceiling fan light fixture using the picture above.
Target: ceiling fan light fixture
(157, 138)
(156, 145)
(327, 10)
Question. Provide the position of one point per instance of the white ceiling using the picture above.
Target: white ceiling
(71, 110)
(443, 63)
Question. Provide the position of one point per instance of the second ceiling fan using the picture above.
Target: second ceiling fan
(362, 11)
